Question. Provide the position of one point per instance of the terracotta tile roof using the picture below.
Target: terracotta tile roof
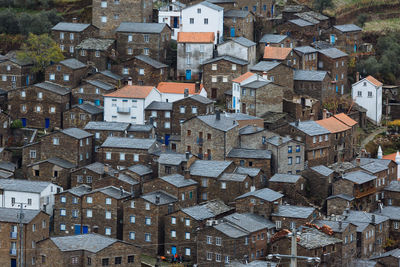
(390, 156)
(132, 91)
(345, 119)
(195, 37)
(178, 88)
(374, 81)
(278, 53)
(243, 77)
(333, 125)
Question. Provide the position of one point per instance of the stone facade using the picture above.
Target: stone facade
(97, 53)
(50, 171)
(144, 73)
(78, 117)
(239, 25)
(15, 74)
(319, 90)
(258, 101)
(63, 74)
(302, 108)
(91, 91)
(160, 114)
(281, 75)
(337, 68)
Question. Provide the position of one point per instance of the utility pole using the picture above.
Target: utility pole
(20, 217)
(293, 259)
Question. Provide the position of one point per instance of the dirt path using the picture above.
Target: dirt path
(372, 135)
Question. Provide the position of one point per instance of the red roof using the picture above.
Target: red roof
(278, 53)
(374, 81)
(132, 91)
(243, 77)
(178, 88)
(333, 125)
(390, 156)
(195, 37)
(345, 119)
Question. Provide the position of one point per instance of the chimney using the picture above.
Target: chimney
(380, 152)
(340, 225)
(357, 76)
(121, 190)
(218, 115)
(130, 81)
(373, 218)
(324, 113)
(297, 122)
(186, 92)
(275, 207)
(187, 154)
(74, 20)
(265, 76)
(280, 140)
(163, 148)
(197, 87)
(358, 162)
(205, 155)
(255, 127)
(157, 198)
(186, 174)
(106, 168)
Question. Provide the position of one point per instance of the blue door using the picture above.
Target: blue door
(97, 102)
(13, 262)
(355, 48)
(27, 79)
(337, 89)
(80, 100)
(167, 139)
(332, 39)
(175, 22)
(77, 229)
(173, 250)
(23, 122)
(188, 74)
(84, 229)
(232, 31)
(272, 10)
(46, 123)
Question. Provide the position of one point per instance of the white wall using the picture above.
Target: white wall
(196, 57)
(165, 17)
(233, 49)
(237, 91)
(372, 104)
(175, 97)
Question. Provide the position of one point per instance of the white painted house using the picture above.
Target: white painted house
(36, 195)
(171, 13)
(204, 17)
(128, 103)
(368, 94)
(173, 91)
(239, 47)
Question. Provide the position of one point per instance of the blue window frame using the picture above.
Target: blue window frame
(289, 149)
(297, 148)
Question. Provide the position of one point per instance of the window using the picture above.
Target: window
(243, 91)
(89, 200)
(225, 79)
(71, 49)
(108, 155)
(173, 233)
(369, 94)
(71, 36)
(32, 154)
(130, 52)
(61, 35)
(187, 222)
(218, 241)
(396, 225)
(62, 47)
(62, 227)
(136, 157)
(33, 227)
(223, 185)
(130, 38)
(147, 237)
(89, 179)
(63, 212)
(146, 51)
(4, 78)
(147, 221)
(314, 139)
(204, 182)
(182, 111)
(89, 213)
(194, 110)
(214, 79)
(66, 77)
(147, 206)
(121, 156)
(146, 38)
(298, 159)
(38, 108)
(289, 149)
(209, 240)
(108, 215)
(187, 251)
(167, 125)
(206, 21)
(217, 257)
(103, 19)
(131, 259)
(75, 213)
(191, 20)
(44, 223)
(290, 160)
(209, 256)
(108, 231)
(105, 262)
(118, 260)
(233, 66)
(40, 95)
(74, 260)
(132, 204)
(187, 235)
(214, 67)
(278, 224)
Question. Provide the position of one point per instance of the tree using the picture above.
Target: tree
(321, 5)
(41, 50)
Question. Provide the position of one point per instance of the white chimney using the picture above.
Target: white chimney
(380, 153)
(397, 159)
(130, 81)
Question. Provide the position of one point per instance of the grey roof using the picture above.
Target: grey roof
(393, 186)
(285, 178)
(312, 239)
(101, 84)
(322, 169)
(209, 168)
(95, 44)
(358, 177)
(393, 212)
(236, 13)
(140, 169)
(310, 128)
(252, 172)
(152, 62)
(231, 230)
(249, 221)
(88, 242)
(73, 63)
(227, 58)
(56, 161)
(241, 116)
(364, 263)
(243, 41)
(174, 159)
(307, 17)
(8, 166)
(97, 167)
(164, 198)
(374, 167)
(391, 253)
(355, 216)
(224, 124)
(272, 38)
(79, 190)
(256, 84)
(24, 185)
(158, 105)
(140, 128)
(211, 5)
(233, 177)
(201, 99)
(6, 174)
(11, 215)
(107, 126)
(76, 133)
(333, 52)
(89, 108)
(278, 140)
(111, 75)
(301, 22)
(334, 225)
(265, 66)
(250, 129)
(52, 87)
(316, 15)
(123, 142)
(112, 191)
(265, 194)
(309, 75)
(305, 49)
(293, 211)
(347, 28)
(342, 196)
(365, 161)
(127, 179)
(255, 263)
(249, 153)
(207, 210)
(293, 8)
(178, 180)
(141, 27)
(70, 27)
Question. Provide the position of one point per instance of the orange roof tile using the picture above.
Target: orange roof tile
(333, 125)
(390, 156)
(195, 37)
(345, 119)
(243, 77)
(178, 88)
(374, 81)
(132, 91)
(278, 53)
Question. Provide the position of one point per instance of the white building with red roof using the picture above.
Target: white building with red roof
(174, 91)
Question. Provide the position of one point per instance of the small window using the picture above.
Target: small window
(191, 20)
(89, 200)
(103, 4)
(206, 21)
(104, 19)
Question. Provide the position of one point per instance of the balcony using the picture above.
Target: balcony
(199, 141)
(123, 109)
(13, 252)
(13, 235)
(364, 192)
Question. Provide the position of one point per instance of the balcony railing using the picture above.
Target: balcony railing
(199, 141)
(13, 252)
(13, 235)
(364, 192)
(123, 109)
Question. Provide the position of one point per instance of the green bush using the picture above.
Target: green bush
(16, 124)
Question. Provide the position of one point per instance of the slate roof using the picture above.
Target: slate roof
(264, 66)
(255, 263)
(178, 180)
(301, 22)
(342, 196)
(79, 190)
(358, 177)
(209, 168)
(312, 239)
(240, 116)
(230, 230)
(140, 128)
(249, 153)
(322, 169)
(265, 194)
(334, 225)
(347, 28)
(111, 75)
(56, 161)
(211, 5)
(101, 84)
(249, 221)
(133, 143)
(70, 27)
(224, 124)
(285, 178)
(243, 41)
(97, 167)
(174, 159)
(305, 49)
(112, 191)
(233, 177)
(272, 38)
(158, 105)
(52, 87)
(291, 211)
(95, 44)
(8, 166)
(76, 133)
(207, 210)
(88, 242)
(165, 198)
(250, 129)
(310, 128)
(140, 169)
(201, 99)
(227, 58)
(73, 63)
(24, 185)
(89, 108)
(355, 216)
(256, 84)
(236, 13)
(141, 27)
(11, 215)
(393, 186)
(278, 140)
(391, 253)
(252, 172)
(333, 52)
(374, 167)
(107, 126)
(393, 212)
(309, 75)
(152, 62)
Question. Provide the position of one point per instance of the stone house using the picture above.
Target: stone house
(148, 71)
(209, 136)
(262, 9)
(392, 212)
(255, 158)
(239, 23)
(254, 136)
(170, 13)
(392, 194)
(15, 73)
(107, 76)
(89, 174)
(276, 72)
(239, 47)
(40, 105)
(193, 49)
(316, 84)
(121, 181)
(144, 220)
(347, 37)
(274, 40)
(287, 216)
(80, 115)
(292, 186)
(35, 225)
(279, 54)
(180, 227)
(159, 114)
(104, 129)
(141, 173)
(305, 58)
(302, 107)
(337, 204)
(79, 250)
(320, 177)
(390, 258)
(218, 74)
(231, 185)
(97, 53)
(68, 72)
(68, 35)
(149, 39)
(303, 31)
(170, 163)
